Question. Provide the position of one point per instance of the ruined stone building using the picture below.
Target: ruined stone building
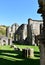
(11, 30)
(5, 40)
(21, 33)
(25, 32)
(33, 30)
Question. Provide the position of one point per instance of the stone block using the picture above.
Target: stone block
(28, 53)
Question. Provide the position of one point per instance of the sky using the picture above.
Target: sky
(18, 11)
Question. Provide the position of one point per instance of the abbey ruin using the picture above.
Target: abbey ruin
(25, 33)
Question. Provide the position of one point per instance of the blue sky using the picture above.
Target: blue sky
(18, 11)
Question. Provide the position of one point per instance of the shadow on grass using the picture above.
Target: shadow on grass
(37, 54)
(25, 61)
(9, 51)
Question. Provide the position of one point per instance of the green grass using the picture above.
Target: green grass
(10, 57)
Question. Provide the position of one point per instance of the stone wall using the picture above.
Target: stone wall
(21, 33)
(11, 30)
(5, 41)
(25, 32)
(33, 29)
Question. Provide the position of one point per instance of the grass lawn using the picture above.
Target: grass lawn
(10, 57)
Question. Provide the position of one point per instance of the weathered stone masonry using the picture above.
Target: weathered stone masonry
(25, 32)
(5, 40)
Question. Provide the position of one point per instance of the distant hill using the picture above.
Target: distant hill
(3, 30)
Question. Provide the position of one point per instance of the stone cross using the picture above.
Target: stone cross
(41, 10)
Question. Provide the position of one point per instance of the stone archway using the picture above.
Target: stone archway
(4, 42)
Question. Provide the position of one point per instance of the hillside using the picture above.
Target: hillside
(2, 30)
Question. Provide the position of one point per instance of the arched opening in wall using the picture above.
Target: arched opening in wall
(4, 42)
(9, 35)
(8, 41)
(17, 37)
(37, 39)
(13, 36)
(24, 35)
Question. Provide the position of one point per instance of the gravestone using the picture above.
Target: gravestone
(28, 53)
